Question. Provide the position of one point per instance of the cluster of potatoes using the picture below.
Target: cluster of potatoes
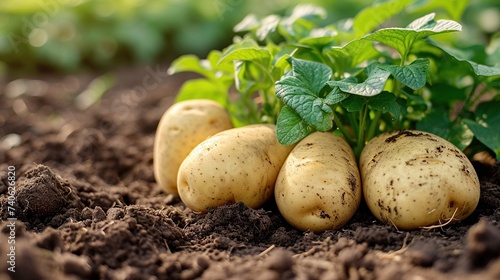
(409, 179)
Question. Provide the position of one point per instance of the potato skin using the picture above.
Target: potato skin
(319, 186)
(414, 179)
(239, 164)
(182, 127)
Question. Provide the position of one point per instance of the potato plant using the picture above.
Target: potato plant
(309, 74)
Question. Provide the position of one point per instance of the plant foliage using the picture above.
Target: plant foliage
(306, 75)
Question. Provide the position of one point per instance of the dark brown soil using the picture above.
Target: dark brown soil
(88, 206)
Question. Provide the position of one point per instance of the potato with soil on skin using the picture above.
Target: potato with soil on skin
(182, 127)
(319, 187)
(414, 179)
(239, 164)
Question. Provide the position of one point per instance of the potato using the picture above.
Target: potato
(182, 127)
(415, 179)
(319, 186)
(239, 164)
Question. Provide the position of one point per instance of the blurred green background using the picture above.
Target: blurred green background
(74, 35)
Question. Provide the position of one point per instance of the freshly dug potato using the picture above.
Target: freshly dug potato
(415, 179)
(239, 164)
(319, 186)
(182, 127)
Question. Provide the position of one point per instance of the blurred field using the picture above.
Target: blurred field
(72, 35)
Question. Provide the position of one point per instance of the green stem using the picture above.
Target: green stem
(343, 130)
(266, 71)
(469, 101)
(266, 93)
(403, 57)
(325, 61)
(249, 104)
(354, 124)
(362, 131)
(373, 125)
(395, 89)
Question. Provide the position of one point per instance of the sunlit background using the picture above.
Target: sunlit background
(72, 35)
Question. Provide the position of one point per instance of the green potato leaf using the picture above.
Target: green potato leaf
(259, 54)
(438, 122)
(242, 83)
(262, 28)
(301, 91)
(190, 63)
(413, 75)
(248, 23)
(385, 102)
(221, 69)
(354, 103)
(202, 89)
(290, 127)
(402, 39)
(209, 67)
(444, 94)
(301, 21)
(268, 25)
(319, 38)
(454, 8)
(352, 54)
(478, 69)
(335, 96)
(372, 16)
(486, 126)
(373, 85)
